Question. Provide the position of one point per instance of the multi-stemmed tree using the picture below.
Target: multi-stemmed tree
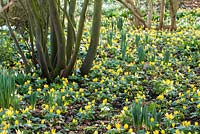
(54, 17)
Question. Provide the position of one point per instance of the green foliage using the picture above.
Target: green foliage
(33, 99)
(141, 116)
(123, 44)
(7, 89)
(20, 78)
(120, 23)
(141, 53)
(110, 38)
(8, 52)
(137, 39)
(159, 94)
(166, 56)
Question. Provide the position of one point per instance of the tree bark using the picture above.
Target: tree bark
(130, 5)
(150, 13)
(72, 61)
(38, 36)
(70, 31)
(174, 5)
(87, 64)
(162, 13)
(61, 52)
(54, 46)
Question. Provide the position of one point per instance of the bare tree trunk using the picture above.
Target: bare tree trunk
(38, 36)
(70, 31)
(54, 46)
(162, 13)
(150, 13)
(96, 24)
(61, 59)
(137, 22)
(174, 5)
(73, 59)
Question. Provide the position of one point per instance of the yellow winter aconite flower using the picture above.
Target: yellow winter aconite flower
(62, 90)
(53, 131)
(29, 88)
(184, 107)
(29, 122)
(63, 98)
(186, 123)
(198, 106)
(162, 131)
(173, 124)
(108, 127)
(96, 132)
(87, 107)
(81, 90)
(16, 122)
(29, 92)
(177, 132)
(156, 132)
(125, 126)
(18, 132)
(95, 80)
(58, 111)
(39, 90)
(169, 116)
(125, 108)
(52, 90)
(51, 110)
(167, 82)
(71, 89)
(196, 124)
(130, 130)
(74, 121)
(6, 126)
(42, 121)
(136, 100)
(147, 132)
(46, 86)
(176, 112)
(27, 82)
(152, 119)
(160, 97)
(104, 102)
(198, 93)
(118, 126)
